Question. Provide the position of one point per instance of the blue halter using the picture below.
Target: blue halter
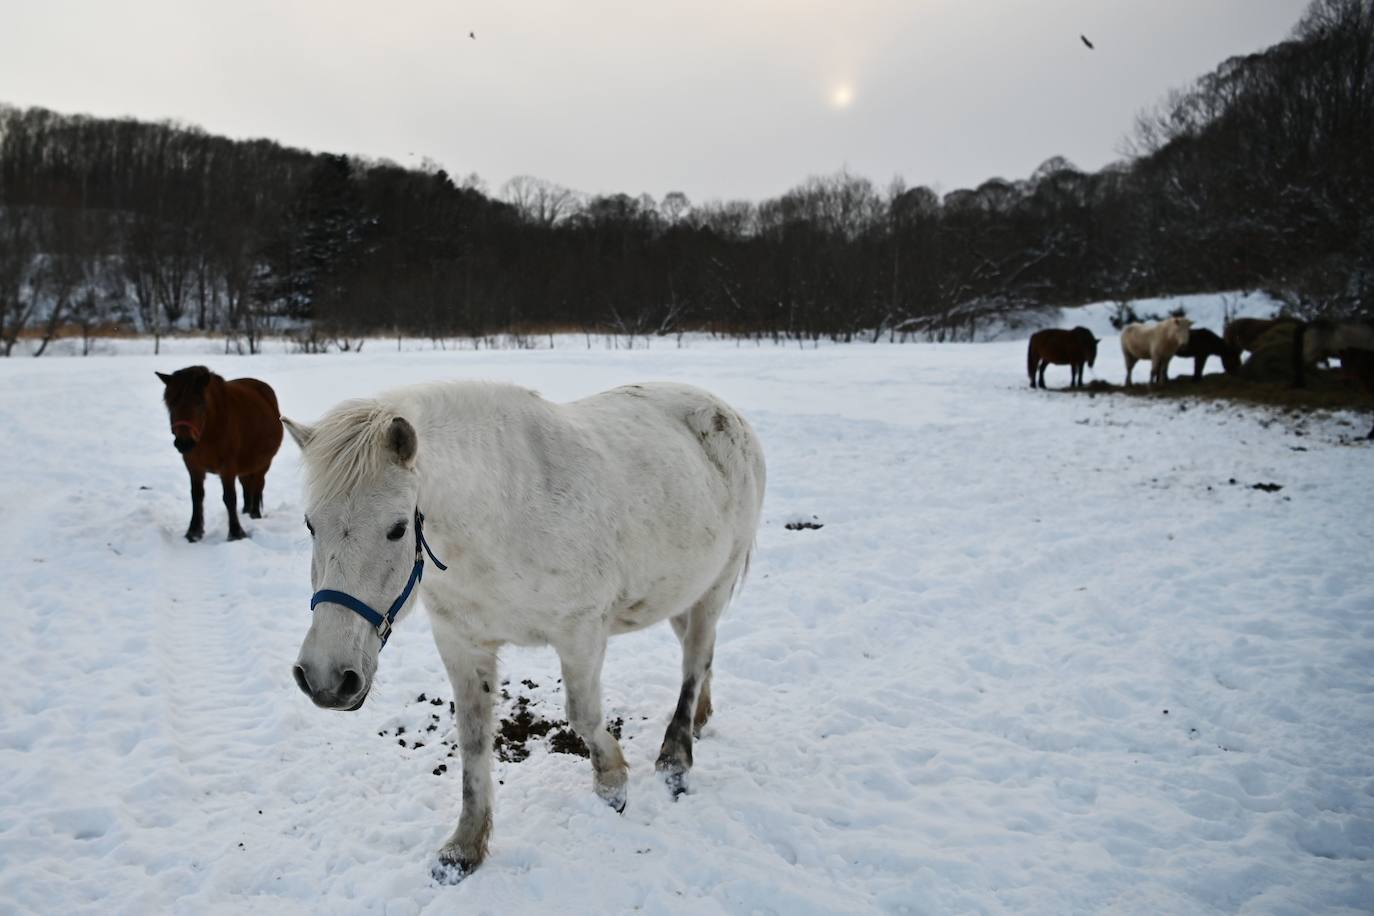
(382, 622)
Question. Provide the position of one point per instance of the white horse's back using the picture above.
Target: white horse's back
(636, 499)
(702, 466)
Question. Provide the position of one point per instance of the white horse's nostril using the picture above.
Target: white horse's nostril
(301, 680)
(350, 685)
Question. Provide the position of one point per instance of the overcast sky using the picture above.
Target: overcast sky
(717, 99)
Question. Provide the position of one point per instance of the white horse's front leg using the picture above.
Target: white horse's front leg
(472, 671)
(581, 660)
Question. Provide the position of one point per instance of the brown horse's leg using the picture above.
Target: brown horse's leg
(252, 494)
(1044, 364)
(231, 502)
(196, 530)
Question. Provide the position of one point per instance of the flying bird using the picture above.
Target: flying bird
(1086, 42)
(473, 36)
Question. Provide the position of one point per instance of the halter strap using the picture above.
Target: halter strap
(382, 622)
(195, 432)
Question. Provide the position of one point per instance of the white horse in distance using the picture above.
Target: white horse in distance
(1157, 342)
(561, 524)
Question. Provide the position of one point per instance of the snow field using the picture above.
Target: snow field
(948, 699)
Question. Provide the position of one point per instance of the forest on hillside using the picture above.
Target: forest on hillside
(1259, 175)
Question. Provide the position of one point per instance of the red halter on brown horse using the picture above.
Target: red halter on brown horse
(232, 429)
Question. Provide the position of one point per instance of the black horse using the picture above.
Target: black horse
(1201, 344)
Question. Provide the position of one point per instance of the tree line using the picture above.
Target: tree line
(1258, 175)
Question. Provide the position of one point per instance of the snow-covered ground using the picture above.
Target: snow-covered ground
(1047, 654)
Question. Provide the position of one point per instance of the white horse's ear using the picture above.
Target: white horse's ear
(299, 431)
(402, 440)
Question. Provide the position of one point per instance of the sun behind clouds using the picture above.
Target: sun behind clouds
(841, 96)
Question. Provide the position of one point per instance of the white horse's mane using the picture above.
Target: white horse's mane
(347, 448)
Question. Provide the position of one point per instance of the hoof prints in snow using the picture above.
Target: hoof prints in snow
(520, 725)
(803, 523)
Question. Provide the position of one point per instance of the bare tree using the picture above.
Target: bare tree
(539, 201)
(21, 276)
(675, 207)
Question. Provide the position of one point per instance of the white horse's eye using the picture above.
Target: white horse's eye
(397, 531)
(309, 527)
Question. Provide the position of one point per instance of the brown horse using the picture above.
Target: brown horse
(1241, 334)
(232, 429)
(1203, 343)
(1055, 345)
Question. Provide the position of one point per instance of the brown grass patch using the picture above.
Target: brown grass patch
(69, 330)
(1325, 390)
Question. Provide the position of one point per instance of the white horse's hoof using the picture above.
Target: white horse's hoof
(615, 796)
(676, 781)
(451, 868)
(449, 873)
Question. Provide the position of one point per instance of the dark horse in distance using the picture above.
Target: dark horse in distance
(1359, 365)
(1063, 348)
(1203, 343)
(232, 429)
(1314, 341)
(1351, 341)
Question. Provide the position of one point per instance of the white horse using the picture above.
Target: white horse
(562, 524)
(1157, 342)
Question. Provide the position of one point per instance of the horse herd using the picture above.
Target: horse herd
(561, 524)
(1350, 341)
